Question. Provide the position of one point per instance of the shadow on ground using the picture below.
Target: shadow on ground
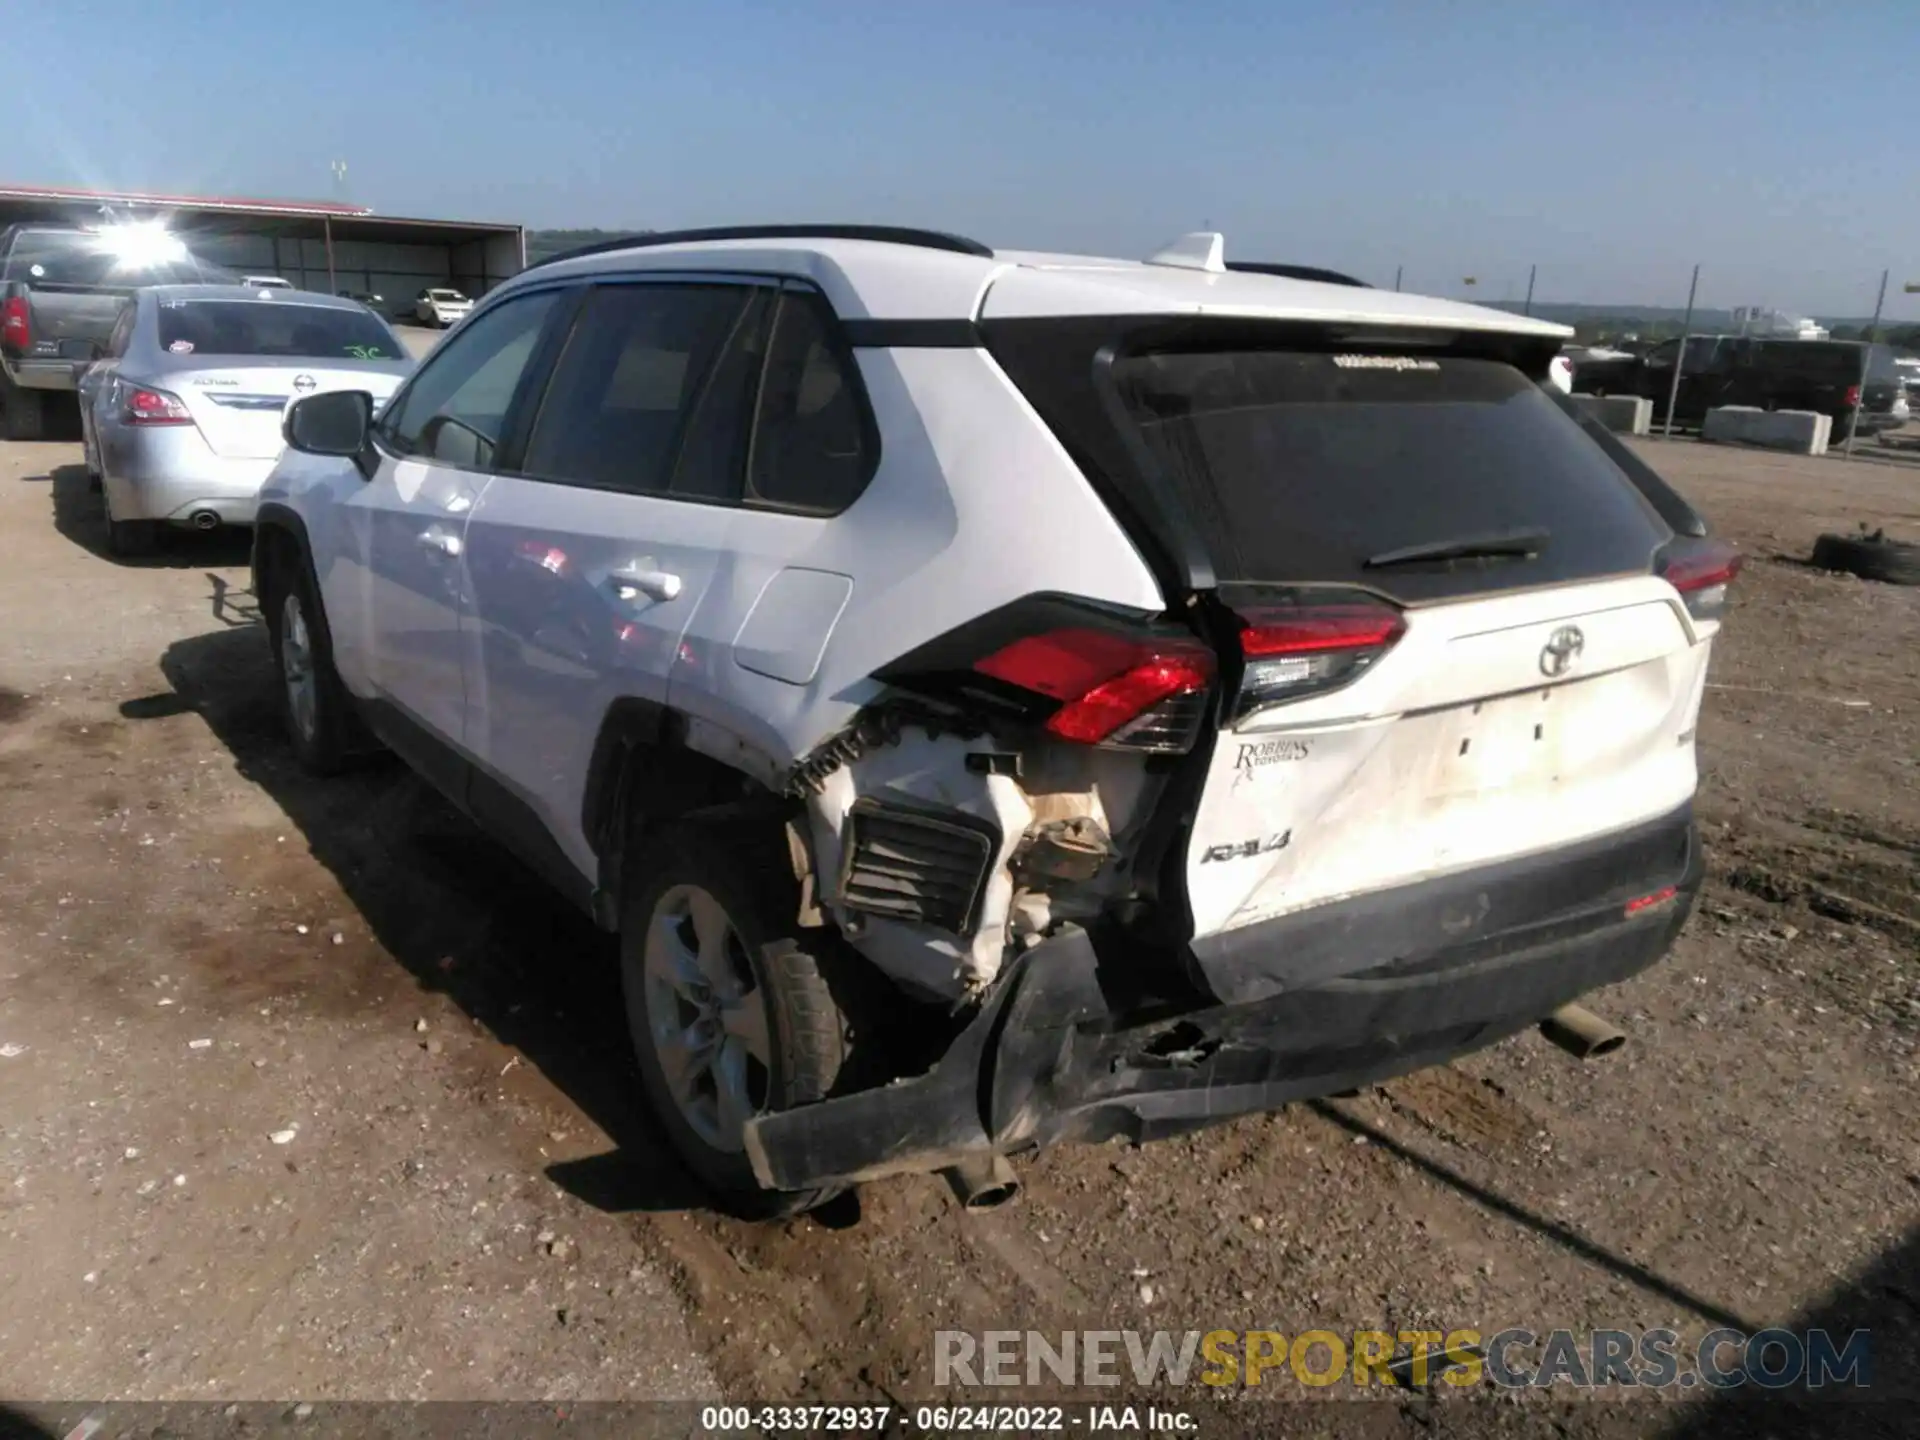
(79, 513)
(1884, 1301)
(462, 916)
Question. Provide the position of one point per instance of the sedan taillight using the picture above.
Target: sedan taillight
(141, 405)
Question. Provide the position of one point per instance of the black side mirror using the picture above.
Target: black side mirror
(335, 422)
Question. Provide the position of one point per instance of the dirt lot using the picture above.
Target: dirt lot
(409, 1162)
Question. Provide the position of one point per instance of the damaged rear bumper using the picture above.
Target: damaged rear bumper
(1346, 995)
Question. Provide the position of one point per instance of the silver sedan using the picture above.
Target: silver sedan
(180, 417)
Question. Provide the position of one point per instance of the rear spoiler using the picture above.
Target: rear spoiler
(1296, 272)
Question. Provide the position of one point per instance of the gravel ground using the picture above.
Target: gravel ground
(408, 1161)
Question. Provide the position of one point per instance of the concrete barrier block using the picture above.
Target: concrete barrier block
(1622, 414)
(1803, 432)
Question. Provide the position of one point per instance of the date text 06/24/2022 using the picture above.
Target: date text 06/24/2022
(947, 1419)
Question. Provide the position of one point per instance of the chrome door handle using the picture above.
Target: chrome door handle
(440, 541)
(654, 584)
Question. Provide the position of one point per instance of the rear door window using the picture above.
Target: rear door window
(1838, 364)
(1301, 468)
(643, 362)
(274, 329)
(813, 448)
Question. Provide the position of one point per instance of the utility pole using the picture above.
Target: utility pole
(1866, 364)
(1680, 355)
(1527, 308)
(1398, 268)
(339, 169)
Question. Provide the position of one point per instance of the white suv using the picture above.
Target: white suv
(1002, 698)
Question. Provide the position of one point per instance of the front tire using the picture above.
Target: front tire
(313, 702)
(728, 1009)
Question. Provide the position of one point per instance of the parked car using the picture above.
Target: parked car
(61, 288)
(976, 740)
(441, 307)
(1852, 382)
(266, 282)
(375, 303)
(180, 412)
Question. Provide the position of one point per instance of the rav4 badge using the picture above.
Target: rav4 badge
(1246, 849)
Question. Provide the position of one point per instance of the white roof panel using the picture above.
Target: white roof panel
(878, 280)
(1122, 288)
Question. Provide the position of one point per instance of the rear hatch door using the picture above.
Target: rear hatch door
(1451, 648)
(67, 322)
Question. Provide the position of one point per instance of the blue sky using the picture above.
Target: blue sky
(1613, 143)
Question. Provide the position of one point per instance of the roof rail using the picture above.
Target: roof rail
(885, 234)
(1297, 272)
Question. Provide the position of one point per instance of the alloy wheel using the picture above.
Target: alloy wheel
(707, 1019)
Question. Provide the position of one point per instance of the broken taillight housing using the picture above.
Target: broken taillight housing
(1309, 646)
(1131, 692)
(1701, 570)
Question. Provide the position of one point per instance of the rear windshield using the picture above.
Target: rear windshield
(68, 257)
(1810, 357)
(274, 328)
(1300, 468)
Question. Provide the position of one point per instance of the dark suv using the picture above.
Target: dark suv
(1846, 379)
(61, 289)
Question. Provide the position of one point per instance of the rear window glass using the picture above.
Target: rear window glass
(274, 328)
(1808, 357)
(66, 257)
(1300, 468)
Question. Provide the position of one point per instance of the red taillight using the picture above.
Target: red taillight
(1650, 902)
(16, 323)
(1853, 397)
(1701, 570)
(1313, 629)
(1310, 647)
(1140, 692)
(153, 407)
(550, 558)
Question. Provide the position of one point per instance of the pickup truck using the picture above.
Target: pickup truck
(1853, 382)
(61, 289)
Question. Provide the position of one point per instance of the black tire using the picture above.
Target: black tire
(23, 413)
(807, 1032)
(1871, 557)
(132, 539)
(322, 739)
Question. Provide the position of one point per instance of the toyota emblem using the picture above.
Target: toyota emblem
(303, 383)
(1563, 647)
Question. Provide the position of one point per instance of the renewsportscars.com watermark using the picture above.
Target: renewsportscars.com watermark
(1724, 1359)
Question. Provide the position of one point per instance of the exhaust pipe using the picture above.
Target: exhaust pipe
(204, 520)
(983, 1183)
(1581, 1033)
